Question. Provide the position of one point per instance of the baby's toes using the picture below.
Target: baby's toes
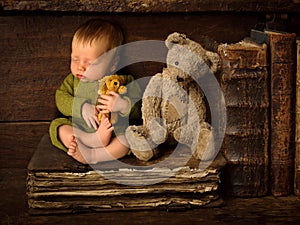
(73, 145)
(72, 148)
(70, 152)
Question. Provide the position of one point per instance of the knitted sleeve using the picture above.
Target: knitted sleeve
(65, 98)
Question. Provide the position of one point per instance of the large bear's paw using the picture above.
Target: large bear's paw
(139, 145)
(205, 149)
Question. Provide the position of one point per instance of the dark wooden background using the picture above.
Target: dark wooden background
(35, 49)
(35, 52)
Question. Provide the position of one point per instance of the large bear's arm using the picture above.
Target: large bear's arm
(196, 106)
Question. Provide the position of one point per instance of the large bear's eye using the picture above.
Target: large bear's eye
(176, 63)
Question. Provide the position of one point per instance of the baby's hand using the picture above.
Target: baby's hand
(89, 115)
(113, 103)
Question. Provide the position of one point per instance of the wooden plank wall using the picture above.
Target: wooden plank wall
(35, 53)
(35, 50)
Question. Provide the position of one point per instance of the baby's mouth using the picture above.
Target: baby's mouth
(79, 76)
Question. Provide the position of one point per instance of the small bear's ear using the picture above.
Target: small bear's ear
(122, 79)
(108, 80)
(102, 81)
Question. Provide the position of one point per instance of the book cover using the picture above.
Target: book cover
(282, 96)
(297, 124)
(244, 82)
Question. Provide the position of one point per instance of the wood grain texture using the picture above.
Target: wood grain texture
(228, 24)
(18, 141)
(297, 124)
(36, 51)
(152, 5)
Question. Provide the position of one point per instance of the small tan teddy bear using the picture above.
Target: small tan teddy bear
(173, 106)
(112, 83)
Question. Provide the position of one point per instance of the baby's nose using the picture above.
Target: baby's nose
(81, 67)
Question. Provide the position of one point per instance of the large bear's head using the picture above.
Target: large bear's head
(189, 58)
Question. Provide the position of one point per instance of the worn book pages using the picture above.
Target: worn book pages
(58, 184)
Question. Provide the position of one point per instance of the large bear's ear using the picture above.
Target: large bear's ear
(175, 38)
(214, 61)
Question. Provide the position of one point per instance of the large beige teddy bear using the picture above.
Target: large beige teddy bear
(173, 106)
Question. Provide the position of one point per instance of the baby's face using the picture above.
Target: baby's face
(84, 56)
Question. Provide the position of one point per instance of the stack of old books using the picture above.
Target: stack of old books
(57, 183)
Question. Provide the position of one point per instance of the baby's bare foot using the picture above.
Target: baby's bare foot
(105, 131)
(75, 152)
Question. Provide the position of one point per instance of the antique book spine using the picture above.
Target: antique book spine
(244, 82)
(297, 125)
(282, 92)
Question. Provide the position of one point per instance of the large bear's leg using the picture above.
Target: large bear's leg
(144, 139)
(196, 134)
(157, 131)
(204, 147)
(200, 140)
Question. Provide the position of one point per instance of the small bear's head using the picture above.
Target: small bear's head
(115, 83)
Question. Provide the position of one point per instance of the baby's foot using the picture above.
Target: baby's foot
(75, 152)
(105, 131)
